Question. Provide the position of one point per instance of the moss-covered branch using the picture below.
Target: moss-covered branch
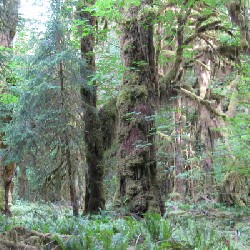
(202, 29)
(208, 104)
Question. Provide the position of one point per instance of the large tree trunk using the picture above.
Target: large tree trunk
(136, 122)
(203, 75)
(8, 23)
(94, 197)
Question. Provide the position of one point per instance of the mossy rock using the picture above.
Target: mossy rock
(1, 198)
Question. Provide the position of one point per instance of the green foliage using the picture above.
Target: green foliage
(49, 104)
(233, 153)
(8, 98)
(201, 236)
(7, 80)
(158, 230)
(113, 232)
(5, 56)
(109, 69)
(110, 9)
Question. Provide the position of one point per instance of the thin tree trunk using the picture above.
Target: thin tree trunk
(179, 183)
(72, 186)
(7, 176)
(66, 148)
(22, 181)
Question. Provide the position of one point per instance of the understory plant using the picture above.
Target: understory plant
(114, 231)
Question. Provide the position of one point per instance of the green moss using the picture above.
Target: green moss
(129, 94)
(1, 198)
(108, 111)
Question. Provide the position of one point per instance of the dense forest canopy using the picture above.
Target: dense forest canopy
(134, 111)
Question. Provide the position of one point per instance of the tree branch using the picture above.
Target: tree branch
(209, 26)
(200, 100)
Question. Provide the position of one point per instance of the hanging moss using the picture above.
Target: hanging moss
(235, 190)
(136, 153)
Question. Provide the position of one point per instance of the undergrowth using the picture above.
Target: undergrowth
(111, 231)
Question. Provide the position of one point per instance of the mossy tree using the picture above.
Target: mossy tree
(137, 187)
(94, 196)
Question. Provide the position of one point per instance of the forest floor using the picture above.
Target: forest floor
(202, 226)
(231, 223)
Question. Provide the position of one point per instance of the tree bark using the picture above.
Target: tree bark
(136, 109)
(8, 22)
(22, 181)
(206, 122)
(94, 197)
(239, 12)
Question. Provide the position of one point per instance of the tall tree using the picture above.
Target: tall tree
(137, 187)
(8, 23)
(47, 119)
(94, 197)
(205, 48)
